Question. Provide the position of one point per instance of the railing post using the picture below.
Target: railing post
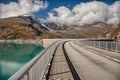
(116, 47)
(99, 44)
(93, 44)
(106, 45)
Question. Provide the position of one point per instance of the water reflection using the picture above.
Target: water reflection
(14, 56)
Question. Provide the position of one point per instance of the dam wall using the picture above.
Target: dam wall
(44, 42)
(20, 41)
(47, 42)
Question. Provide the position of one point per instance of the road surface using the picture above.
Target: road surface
(93, 64)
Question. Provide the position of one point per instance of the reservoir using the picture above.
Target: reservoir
(13, 56)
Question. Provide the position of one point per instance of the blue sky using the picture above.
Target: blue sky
(57, 3)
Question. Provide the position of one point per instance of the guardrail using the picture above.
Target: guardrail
(110, 46)
(38, 66)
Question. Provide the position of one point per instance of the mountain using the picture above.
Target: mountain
(24, 27)
(84, 31)
(54, 26)
(30, 27)
(33, 20)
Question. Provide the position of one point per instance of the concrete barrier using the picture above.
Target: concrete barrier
(47, 42)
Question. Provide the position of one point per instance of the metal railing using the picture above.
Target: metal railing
(38, 66)
(111, 46)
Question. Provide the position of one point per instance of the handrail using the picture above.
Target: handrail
(107, 45)
(35, 69)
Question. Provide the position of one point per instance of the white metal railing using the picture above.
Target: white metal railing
(38, 66)
(111, 46)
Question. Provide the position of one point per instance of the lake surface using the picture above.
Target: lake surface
(14, 56)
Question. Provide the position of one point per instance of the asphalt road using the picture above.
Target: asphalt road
(91, 65)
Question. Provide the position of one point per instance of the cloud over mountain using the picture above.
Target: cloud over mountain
(21, 8)
(86, 13)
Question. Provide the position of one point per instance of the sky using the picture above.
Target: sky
(59, 10)
(56, 3)
(68, 3)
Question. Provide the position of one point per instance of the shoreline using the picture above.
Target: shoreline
(44, 42)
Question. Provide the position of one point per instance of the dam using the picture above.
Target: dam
(73, 59)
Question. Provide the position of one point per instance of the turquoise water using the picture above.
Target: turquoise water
(14, 56)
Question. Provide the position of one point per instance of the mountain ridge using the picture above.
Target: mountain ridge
(23, 27)
(83, 31)
(30, 27)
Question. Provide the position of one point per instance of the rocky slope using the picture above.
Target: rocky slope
(85, 31)
(112, 33)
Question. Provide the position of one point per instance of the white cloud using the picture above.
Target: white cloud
(86, 13)
(114, 13)
(21, 8)
(63, 13)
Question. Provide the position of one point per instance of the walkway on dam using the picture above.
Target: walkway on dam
(89, 63)
(60, 68)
